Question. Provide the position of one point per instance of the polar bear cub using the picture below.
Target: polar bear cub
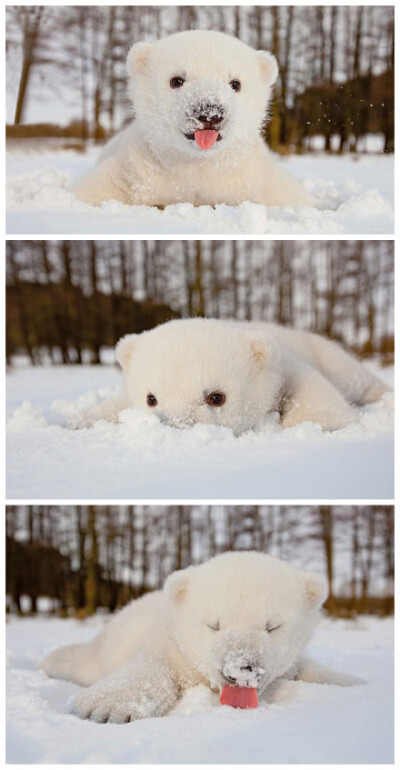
(200, 99)
(242, 618)
(235, 374)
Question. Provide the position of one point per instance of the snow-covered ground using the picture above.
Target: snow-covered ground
(355, 195)
(298, 723)
(142, 458)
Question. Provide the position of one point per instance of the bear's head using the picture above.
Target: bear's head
(243, 618)
(198, 93)
(202, 370)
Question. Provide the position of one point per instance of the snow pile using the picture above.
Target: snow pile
(296, 723)
(142, 458)
(26, 418)
(353, 197)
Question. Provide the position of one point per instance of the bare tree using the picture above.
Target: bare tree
(29, 19)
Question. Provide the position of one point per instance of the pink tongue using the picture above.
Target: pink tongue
(205, 138)
(239, 697)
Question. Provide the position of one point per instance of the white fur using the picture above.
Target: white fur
(153, 163)
(162, 644)
(260, 367)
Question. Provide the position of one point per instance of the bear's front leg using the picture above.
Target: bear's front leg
(102, 183)
(276, 186)
(315, 399)
(310, 671)
(141, 688)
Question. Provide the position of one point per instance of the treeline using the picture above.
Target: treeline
(86, 557)
(336, 64)
(66, 300)
(63, 301)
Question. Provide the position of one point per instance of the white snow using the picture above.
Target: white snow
(370, 143)
(355, 195)
(142, 458)
(300, 723)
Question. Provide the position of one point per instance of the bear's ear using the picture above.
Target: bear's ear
(263, 347)
(137, 57)
(124, 349)
(269, 66)
(316, 589)
(176, 585)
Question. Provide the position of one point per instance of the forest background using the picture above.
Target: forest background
(77, 559)
(70, 301)
(66, 74)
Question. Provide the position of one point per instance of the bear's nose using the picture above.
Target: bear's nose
(209, 113)
(230, 677)
(210, 121)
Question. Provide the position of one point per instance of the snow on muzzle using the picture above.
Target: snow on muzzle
(240, 658)
(207, 110)
(210, 115)
(185, 419)
(241, 670)
(242, 674)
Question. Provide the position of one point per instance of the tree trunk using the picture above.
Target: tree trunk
(30, 41)
(96, 342)
(91, 585)
(285, 75)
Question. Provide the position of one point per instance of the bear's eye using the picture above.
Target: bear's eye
(216, 398)
(270, 628)
(235, 85)
(151, 400)
(214, 626)
(176, 82)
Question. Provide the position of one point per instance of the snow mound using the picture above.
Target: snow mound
(26, 418)
(142, 458)
(351, 198)
(296, 722)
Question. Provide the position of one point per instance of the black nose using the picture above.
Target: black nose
(233, 679)
(210, 121)
(210, 114)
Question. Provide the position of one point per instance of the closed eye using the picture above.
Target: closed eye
(271, 628)
(214, 626)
